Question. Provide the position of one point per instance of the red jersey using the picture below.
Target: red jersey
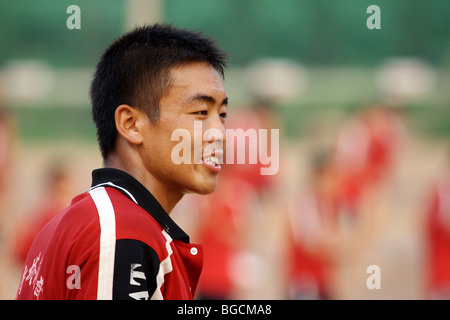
(438, 238)
(113, 242)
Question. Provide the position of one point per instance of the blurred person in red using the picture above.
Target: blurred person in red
(365, 148)
(260, 115)
(311, 216)
(58, 194)
(225, 215)
(387, 134)
(438, 237)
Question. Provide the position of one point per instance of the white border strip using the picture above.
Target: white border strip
(107, 243)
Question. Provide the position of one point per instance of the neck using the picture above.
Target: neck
(164, 195)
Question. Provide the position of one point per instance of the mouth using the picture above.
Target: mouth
(212, 162)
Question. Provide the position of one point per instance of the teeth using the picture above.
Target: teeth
(213, 161)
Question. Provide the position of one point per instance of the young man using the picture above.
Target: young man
(117, 241)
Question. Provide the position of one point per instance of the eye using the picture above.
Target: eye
(223, 115)
(202, 113)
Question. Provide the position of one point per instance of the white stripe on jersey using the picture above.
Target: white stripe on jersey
(107, 243)
(115, 186)
(164, 268)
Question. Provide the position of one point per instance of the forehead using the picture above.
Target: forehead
(194, 77)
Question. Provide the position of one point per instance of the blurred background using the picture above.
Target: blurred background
(364, 122)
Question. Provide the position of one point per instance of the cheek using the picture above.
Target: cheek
(159, 150)
(155, 150)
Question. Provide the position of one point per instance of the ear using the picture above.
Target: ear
(128, 121)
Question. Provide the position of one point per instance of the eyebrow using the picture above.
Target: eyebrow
(206, 98)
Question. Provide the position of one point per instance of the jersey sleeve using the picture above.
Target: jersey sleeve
(136, 266)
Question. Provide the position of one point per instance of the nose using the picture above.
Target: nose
(215, 131)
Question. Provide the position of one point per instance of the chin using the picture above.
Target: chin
(203, 187)
(207, 191)
(199, 181)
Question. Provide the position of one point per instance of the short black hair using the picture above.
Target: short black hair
(135, 70)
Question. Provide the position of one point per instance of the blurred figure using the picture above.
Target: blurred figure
(438, 237)
(58, 194)
(387, 134)
(260, 115)
(365, 148)
(223, 223)
(311, 216)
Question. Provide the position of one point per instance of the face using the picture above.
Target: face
(195, 104)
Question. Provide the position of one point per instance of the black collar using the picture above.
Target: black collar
(134, 190)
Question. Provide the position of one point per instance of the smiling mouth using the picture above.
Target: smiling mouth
(213, 161)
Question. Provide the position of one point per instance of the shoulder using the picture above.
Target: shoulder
(107, 207)
(133, 222)
(80, 215)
